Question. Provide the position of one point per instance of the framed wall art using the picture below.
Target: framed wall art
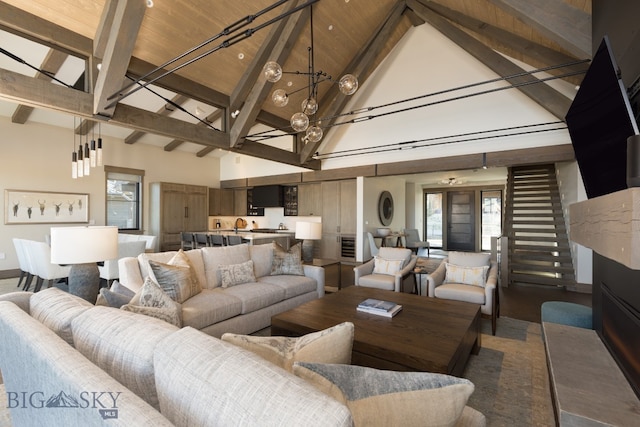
(44, 207)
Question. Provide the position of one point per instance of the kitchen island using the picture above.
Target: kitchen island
(284, 237)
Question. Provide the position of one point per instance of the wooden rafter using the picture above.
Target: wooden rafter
(547, 97)
(254, 90)
(566, 25)
(209, 119)
(166, 109)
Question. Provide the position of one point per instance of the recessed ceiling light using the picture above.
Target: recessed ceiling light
(149, 3)
(241, 56)
(289, 83)
(330, 27)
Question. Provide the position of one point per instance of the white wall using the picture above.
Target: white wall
(572, 191)
(38, 157)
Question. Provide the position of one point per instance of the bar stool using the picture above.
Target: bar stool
(201, 240)
(216, 240)
(186, 241)
(234, 240)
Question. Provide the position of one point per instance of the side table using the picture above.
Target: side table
(417, 279)
(324, 263)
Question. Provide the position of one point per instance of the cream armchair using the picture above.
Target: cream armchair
(387, 270)
(465, 280)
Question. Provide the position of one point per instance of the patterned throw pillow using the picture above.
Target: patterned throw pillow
(287, 262)
(176, 281)
(182, 260)
(389, 398)
(236, 274)
(332, 345)
(476, 276)
(387, 266)
(153, 301)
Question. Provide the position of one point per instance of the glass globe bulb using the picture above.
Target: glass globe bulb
(280, 97)
(299, 122)
(348, 84)
(309, 106)
(272, 71)
(314, 133)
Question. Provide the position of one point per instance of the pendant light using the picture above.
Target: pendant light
(99, 150)
(74, 155)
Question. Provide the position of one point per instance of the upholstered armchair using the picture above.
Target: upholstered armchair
(387, 270)
(109, 270)
(469, 277)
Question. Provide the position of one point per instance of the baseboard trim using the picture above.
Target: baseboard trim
(9, 274)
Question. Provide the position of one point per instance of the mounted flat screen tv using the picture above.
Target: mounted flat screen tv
(599, 121)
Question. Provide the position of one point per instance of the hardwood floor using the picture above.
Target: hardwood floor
(523, 301)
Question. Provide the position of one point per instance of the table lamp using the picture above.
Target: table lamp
(82, 248)
(308, 232)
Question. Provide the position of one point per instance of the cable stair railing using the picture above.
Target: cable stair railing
(538, 251)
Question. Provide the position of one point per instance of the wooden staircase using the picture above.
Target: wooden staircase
(538, 244)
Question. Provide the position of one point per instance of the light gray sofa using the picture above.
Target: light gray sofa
(240, 309)
(67, 362)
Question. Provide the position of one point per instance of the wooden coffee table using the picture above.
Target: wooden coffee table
(429, 334)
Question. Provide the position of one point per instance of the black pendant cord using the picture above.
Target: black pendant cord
(45, 72)
(120, 94)
(265, 134)
(452, 139)
(179, 107)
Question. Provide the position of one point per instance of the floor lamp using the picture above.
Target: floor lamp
(82, 248)
(308, 232)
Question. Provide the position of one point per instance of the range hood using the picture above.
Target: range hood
(267, 196)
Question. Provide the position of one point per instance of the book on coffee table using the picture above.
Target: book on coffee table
(379, 307)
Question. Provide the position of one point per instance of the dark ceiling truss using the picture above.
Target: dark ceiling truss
(121, 20)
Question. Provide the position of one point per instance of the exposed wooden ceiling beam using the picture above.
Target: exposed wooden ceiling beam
(166, 109)
(209, 119)
(547, 97)
(566, 25)
(505, 41)
(118, 49)
(51, 63)
(334, 101)
(179, 84)
(37, 29)
(254, 90)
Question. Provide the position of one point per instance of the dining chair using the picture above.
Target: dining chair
(372, 245)
(186, 241)
(234, 240)
(413, 242)
(216, 240)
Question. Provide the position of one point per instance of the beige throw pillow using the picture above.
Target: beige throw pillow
(153, 301)
(236, 274)
(387, 266)
(332, 345)
(475, 276)
(287, 262)
(389, 398)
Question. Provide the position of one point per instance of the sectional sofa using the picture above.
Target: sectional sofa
(244, 307)
(67, 362)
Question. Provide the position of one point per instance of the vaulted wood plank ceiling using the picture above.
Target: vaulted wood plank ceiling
(349, 36)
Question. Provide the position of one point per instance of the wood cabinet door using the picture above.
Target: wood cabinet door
(196, 213)
(309, 199)
(214, 201)
(240, 202)
(226, 202)
(330, 207)
(329, 246)
(348, 206)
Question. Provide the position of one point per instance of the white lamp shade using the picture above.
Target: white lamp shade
(81, 245)
(309, 230)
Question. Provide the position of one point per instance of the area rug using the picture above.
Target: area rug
(510, 375)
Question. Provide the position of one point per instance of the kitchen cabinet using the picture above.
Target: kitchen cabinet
(310, 199)
(175, 208)
(240, 201)
(338, 220)
(221, 202)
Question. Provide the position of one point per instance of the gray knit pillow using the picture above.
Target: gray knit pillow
(287, 262)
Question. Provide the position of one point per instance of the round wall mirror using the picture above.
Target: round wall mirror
(385, 208)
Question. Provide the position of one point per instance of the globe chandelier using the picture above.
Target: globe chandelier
(300, 121)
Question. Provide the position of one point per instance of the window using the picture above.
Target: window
(491, 217)
(124, 198)
(433, 222)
